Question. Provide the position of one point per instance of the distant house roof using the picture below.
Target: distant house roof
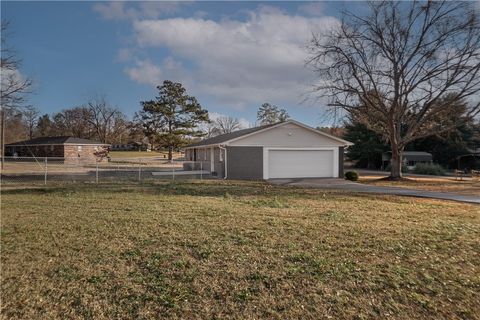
(55, 140)
(223, 138)
(229, 136)
(410, 156)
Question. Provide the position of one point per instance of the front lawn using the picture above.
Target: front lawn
(216, 250)
(466, 186)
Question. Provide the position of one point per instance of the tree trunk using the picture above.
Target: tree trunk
(396, 163)
(170, 153)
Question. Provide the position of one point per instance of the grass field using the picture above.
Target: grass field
(217, 250)
(467, 186)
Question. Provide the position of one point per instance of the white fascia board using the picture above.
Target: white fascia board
(343, 142)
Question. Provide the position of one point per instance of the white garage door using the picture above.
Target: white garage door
(300, 163)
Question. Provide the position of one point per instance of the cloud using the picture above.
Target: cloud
(120, 10)
(311, 9)
(145, 72)
(125, 54)
(237, 62)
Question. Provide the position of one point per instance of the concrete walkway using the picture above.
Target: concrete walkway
(344, 185)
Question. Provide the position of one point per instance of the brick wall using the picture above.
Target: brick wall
(85, 152)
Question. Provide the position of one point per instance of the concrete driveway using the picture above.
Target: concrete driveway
(345, 185)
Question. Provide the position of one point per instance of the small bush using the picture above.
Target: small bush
(429, 168)
(351, 175)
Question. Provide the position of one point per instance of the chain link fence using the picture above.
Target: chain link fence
(45, 170)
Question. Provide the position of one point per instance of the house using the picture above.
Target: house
(282, 150)
(409, 158)
(131, 146)
(65, 147)
(468, 161)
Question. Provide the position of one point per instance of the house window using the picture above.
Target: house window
(221, 155)
(205, 154)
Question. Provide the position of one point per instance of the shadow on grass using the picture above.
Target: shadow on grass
(200, 188)
(192, 187)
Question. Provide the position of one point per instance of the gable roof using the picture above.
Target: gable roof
(54, 140)
(228, 137)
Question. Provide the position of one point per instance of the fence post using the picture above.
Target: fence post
(201, 170)
(139, 169)
(96, 173)
(46, 171)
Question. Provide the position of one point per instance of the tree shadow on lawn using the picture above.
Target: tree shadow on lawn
(205, 188)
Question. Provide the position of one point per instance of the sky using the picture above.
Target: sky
(232, 56)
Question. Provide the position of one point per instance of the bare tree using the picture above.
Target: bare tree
(210, 129)
(14, 87)
(393, 67)
(107, 121)
(73, 122)
(227, 124)
(30, 116)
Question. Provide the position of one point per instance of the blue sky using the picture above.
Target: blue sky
(232, 56)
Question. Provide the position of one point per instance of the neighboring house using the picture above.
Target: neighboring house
(67, 147)
(282, 150)
(131, 146)
(469, 161)
(409, 158)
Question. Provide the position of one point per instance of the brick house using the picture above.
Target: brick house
(71, 149)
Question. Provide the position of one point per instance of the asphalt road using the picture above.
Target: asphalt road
(345, 185)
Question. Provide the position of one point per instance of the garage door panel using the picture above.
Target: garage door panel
(300, 163)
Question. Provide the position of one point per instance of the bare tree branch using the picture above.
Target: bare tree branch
(394, 67)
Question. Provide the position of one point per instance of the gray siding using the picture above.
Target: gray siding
(340, 161)
(218, 166)
(245, 163)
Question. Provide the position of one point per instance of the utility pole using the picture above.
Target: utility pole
(2, 114)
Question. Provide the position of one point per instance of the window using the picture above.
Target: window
(205, 154)
(221, 155)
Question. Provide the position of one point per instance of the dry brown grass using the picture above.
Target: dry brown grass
(467, 186)
(216, 250)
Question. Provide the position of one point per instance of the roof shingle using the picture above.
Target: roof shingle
(54, 140)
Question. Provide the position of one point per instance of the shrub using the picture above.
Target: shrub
(429, 168)
(351, 175)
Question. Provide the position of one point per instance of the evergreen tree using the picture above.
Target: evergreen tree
(44, 126)
(368, 145)
(268, 114)
(172, 116)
